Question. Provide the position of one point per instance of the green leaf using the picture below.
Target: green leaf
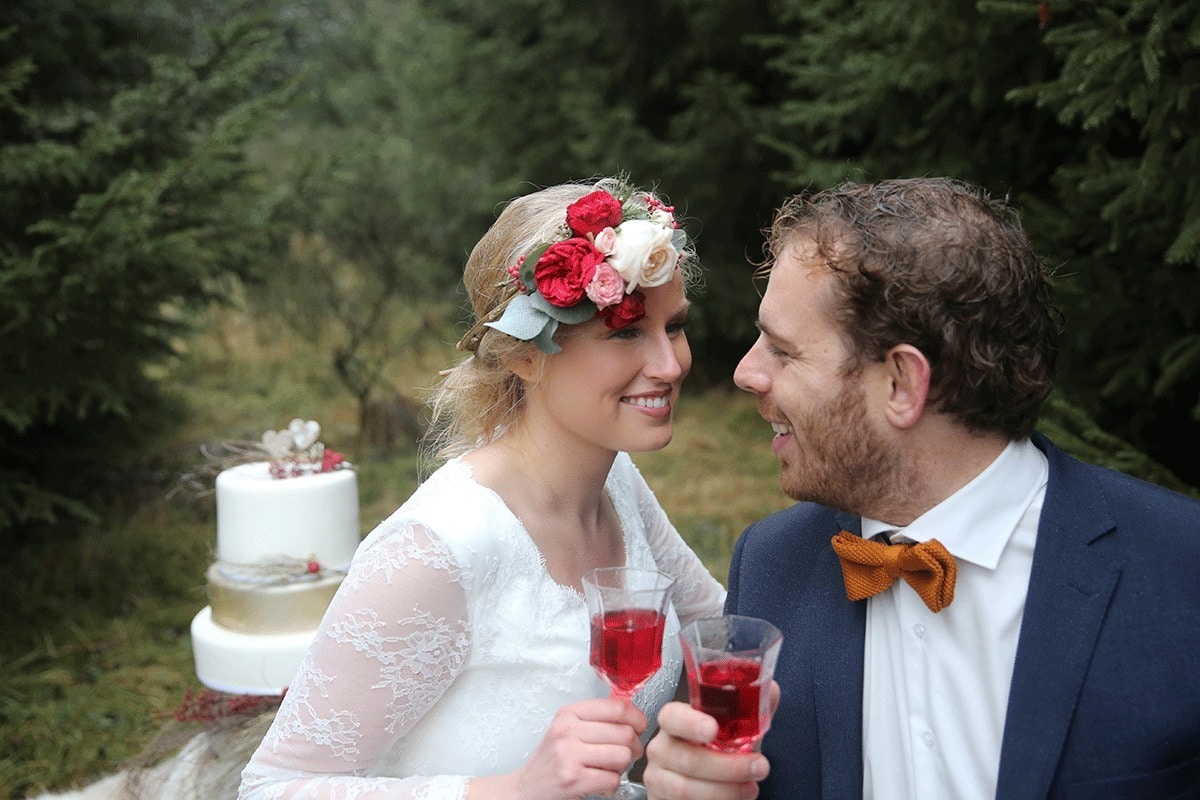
(529, 265)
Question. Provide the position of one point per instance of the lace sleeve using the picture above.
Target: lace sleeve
(394, 638)
(697, 592)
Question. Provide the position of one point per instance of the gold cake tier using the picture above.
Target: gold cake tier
(254, 605)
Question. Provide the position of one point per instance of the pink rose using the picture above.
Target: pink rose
(606, 241)
(565, 269)
(620, 315)
(606, 287)
(593, 213)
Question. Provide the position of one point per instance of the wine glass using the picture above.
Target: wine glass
(730, 662)
(628, 609)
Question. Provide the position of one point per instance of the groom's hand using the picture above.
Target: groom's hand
(679, 767)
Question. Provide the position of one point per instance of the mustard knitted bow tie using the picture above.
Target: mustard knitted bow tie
(870, 567)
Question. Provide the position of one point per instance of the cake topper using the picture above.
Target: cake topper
(289, 453)
(298, 451)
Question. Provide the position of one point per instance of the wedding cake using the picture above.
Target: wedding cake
(286, 531)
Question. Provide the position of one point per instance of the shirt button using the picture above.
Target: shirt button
(919, 630)
(927, 736)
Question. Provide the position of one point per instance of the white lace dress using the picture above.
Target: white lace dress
(449, 648)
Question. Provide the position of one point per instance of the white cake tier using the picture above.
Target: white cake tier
(240, 663)
(310, 516)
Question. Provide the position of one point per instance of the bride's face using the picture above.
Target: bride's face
(616, 390)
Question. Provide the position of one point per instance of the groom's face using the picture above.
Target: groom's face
(829, 451)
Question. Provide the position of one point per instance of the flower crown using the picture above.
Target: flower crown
(609, 247)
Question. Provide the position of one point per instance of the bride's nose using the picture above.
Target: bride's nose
(668, 359)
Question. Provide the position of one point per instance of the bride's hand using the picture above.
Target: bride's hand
(588, 746)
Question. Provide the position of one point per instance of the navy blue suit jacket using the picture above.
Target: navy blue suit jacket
(1105, 695)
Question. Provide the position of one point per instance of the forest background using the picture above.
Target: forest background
(216, 215)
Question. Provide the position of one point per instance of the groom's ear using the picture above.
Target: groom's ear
(908, 371)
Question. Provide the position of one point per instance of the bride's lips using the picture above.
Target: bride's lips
(655, 404)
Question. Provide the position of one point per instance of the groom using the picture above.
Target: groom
(1043, 637)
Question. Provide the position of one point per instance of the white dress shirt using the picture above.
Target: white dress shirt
(935, 686)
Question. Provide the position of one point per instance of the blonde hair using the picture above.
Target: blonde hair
(480, 396)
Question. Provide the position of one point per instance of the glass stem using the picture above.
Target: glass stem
(627, 789)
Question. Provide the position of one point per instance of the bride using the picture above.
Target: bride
(454, 658)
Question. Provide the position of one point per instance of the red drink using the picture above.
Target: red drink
(728, 692)
(627, 647)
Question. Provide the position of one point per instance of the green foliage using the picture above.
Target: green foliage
(670, 93)
(1087, 123)
(907, 88)
(149, 167)
(143, 166)
(1125, 216)
(96, 651)
(128, 201)
(1069, 427)
(379, 211)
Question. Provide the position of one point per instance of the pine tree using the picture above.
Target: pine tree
(531, 93)
(1124, 216)
(1084, 113)
(127, 202)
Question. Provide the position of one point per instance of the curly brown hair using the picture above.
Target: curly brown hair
(938, 264)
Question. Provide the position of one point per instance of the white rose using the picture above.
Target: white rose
(644, 255)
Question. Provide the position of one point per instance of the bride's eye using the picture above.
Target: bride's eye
(628, 332)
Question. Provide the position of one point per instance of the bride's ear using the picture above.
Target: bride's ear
(528, 367)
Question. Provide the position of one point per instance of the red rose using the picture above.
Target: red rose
(619, 315)
(593, 213)
(565, 269)
(330, 460)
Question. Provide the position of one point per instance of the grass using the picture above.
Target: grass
(717, 475)
(97, 653)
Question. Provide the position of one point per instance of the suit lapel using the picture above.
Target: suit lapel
(1069, 590)
(837, 676)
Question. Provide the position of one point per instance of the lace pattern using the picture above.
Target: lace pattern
(449, 648)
